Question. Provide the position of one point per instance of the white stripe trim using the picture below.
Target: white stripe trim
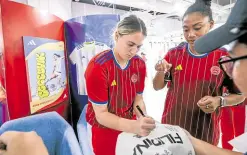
(211, 120)
(126, 93)
(97, 103)
(117, 80)
(130, 83)
(178, 87)
(111, 92)
(198, 117)
(170, 104)
(122, 83)
(217, 126)
(196, 55)
(140, 93)
(198, 70)
(182, 101)
(188, 95)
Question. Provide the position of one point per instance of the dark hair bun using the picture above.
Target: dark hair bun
(206, 2)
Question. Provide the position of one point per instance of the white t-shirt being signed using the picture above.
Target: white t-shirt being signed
(164, 140)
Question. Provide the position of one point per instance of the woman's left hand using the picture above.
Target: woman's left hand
(209, 104)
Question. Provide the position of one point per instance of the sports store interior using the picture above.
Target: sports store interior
(56, 39)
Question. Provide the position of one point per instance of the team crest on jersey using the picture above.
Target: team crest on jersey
(215, 70)
(134, 78)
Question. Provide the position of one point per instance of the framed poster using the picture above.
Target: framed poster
(46, 72)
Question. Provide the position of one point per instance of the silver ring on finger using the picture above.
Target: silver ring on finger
(207, 106)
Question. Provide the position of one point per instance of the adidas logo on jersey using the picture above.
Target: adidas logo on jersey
(179, 68)
(113, 83)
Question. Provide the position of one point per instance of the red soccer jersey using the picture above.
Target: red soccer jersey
(233, 123)
(193, 77)
(109, 84)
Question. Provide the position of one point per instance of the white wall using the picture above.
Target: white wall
(20, 1)
(165, 25)
(60, 8)
(160, 27)
(81, 9)
(67, 9)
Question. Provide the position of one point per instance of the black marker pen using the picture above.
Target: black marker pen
(139, 109)
(3, 146)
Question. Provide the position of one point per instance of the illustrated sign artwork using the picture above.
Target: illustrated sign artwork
(46, 72)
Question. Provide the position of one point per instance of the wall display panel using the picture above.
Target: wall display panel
(14, 27)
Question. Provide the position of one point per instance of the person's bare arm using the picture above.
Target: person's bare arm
(139, 101)
(113, 121)
(162, 67)
(234, 99)
(204, 148)
(209, 103)
(22, 143)
(142, 126)
(158, 81)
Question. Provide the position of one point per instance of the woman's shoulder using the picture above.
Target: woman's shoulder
(178, 50)
(102, 57)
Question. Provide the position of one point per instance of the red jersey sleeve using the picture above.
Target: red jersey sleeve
(167, 57)
(173, 53)
(142, 75)
(96, 83)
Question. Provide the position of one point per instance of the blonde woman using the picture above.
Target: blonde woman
(115, 82)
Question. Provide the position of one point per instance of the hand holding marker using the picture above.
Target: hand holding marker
(142, 113)
(3, 146)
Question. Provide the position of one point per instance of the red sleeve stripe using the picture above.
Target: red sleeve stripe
(106, 59)
(104, 56)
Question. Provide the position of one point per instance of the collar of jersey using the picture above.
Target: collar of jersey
(118, 65)
(192, 54)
